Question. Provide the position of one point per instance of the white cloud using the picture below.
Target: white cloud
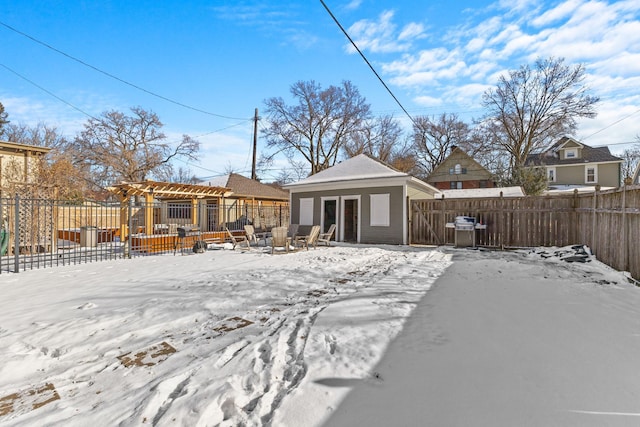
(380, 36)
(560, 12)
(427, 101)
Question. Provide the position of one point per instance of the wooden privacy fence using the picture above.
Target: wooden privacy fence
(608, 222)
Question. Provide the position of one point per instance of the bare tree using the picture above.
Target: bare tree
(379, 138)
(631, 157)
(132, 148)
(319, 125)
(56, 169)
(531, 107)
(180, 175)
(433, 139)
(3, 119)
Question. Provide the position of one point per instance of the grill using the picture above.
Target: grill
(189, 231)
(465, 230)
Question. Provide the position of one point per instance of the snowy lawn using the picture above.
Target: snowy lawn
(220, 338)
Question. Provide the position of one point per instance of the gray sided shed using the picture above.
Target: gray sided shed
(367, 200)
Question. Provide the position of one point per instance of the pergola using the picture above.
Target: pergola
(151, 190)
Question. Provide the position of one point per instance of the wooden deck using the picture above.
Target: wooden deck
(168, 242)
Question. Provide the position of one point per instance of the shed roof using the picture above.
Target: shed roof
(355, 168)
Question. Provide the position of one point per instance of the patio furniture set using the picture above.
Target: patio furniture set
(288, 238)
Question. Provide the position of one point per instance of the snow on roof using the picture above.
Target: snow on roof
(557, 189)
(475, 193)
(358, 167)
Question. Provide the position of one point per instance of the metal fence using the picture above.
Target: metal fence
(38, 233)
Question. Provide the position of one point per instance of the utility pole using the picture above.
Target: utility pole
(255, 145)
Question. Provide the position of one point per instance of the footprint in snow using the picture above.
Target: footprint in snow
(87, 306)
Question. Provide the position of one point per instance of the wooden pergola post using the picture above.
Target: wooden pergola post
(148, 212)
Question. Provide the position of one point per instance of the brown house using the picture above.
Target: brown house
(460, 171)
(569, 162)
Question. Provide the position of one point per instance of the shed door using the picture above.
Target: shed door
(350, 214)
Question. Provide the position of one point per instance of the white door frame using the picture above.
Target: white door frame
(325, 199)
(342, 206)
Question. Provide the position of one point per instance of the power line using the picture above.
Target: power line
(367, 61)
(46, 91)
(116, 77)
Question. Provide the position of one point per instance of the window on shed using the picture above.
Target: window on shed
(306, 211)
(380, 210)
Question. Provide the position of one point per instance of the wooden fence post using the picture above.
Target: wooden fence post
(502, 221)
(593, 219)
(623, 240)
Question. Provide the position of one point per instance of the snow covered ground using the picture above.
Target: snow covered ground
(241, 338)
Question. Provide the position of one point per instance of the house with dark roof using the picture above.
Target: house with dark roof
(367, 199)
(569, 162)
(460, 171)
(251, 202)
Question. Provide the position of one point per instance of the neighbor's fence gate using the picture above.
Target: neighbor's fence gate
(607, 221)
(39, 233)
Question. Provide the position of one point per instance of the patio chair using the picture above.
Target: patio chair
(309, 239)
(326, 237)
(292, 231)
(279, 239)
(254, 237)
(238, 240)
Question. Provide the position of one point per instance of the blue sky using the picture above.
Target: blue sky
(226, 57)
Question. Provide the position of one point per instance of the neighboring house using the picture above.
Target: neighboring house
(19, 164)
(569, 162)
(460, 171)
(252, 201)
(366, 199)
(636, 176)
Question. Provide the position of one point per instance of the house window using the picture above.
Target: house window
(450, 171)
(551, 174)
(306, 211)
(455, 185)
(591, 174)
(571, 153)
(179, 211)
(380, 210)
(458, 169)
(483, 183)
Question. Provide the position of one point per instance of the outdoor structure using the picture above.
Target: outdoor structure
(261, 205)
(151, 210)
(636, 176)
(569, 162)
(18, 164)
(366, 199)
(460, 171)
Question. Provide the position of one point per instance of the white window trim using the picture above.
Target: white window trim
(555, 174)
(571, 150)
(595, 174)
(380, 210)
